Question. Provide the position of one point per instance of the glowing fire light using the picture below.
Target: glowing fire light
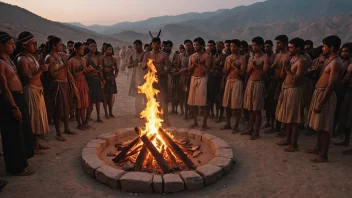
(151, 113)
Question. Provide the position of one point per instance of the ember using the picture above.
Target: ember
(154, 149)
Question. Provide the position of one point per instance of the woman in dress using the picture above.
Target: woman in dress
(110, 72)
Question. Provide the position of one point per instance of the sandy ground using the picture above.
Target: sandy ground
(262, 169)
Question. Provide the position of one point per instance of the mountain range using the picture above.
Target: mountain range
(309, 19)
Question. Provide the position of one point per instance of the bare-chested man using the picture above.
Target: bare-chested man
(137, 76)
(218, 66)
(233, 95)
(183, 87)
(199, 65)
(163, 66)
(342, 88)
(59, 87)
(290, 109)
(30, 72)
(268, 49)
(211, 84)
(322, 107)
(255, 91)
(16, 132)
(274, 88)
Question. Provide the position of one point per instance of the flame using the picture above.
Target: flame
(151, 113)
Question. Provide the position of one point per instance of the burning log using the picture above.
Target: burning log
(125, 150)
(161, 161)
(176, 149)
(141, 158)
(174, 164)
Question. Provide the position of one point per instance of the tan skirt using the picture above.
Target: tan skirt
(198, 92)
(290, 107)
(322, 121)
(233, 94)
(83, 92)
(37, 110)
(254, 96)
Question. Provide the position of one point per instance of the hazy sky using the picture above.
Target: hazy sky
(108, 12)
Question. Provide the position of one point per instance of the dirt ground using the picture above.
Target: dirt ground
(262, 169)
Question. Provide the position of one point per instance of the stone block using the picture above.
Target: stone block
(89, 151)
(207, 137)
(158, 183)
(109, 176)
(92, 163)
(109, 137)
(121, 133)
(193, 180)
(224, 152)
(95, 145)
(224, 163)
(137, 182)
(173, 183)
(217, 143)
(182, 132)
(103, 143)
(210, 173)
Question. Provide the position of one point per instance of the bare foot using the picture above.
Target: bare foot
(204, 127)
(291, 149)
(80, 127)
(319, 159)
(26, 172)
(69, 132)
(60, 138)
(99, 121)
(249, 132)
(283, 143)
(107, 117)
(254, 137)
(314, 151)
(111, 116)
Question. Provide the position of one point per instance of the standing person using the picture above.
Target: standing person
(78, 69)
(255, 90)
(95, 80)
(340, 89)
(211, 86)
(199, 65)
(70, 47)
(227, 49)
(274, 87)
(163, 66)
(30, 72)
(233, 100)
(183, 87)
(128, 53)
(218, 66)
(110, 72)
(290, 107)
(122, 58)
(137, 76)
(345, 117)
(244, 51)
(270, 116)
(16, 132)
(59, 87)
(322, 107)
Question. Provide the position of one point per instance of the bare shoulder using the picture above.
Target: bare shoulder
(21, 61)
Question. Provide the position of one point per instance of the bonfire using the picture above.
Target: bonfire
(154, 149)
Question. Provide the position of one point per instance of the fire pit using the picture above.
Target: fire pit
(153, 159)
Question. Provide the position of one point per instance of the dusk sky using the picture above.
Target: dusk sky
(108, 12)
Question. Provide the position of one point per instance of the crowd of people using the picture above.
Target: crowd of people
(297, 86)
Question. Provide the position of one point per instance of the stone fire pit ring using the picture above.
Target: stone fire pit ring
(143, 182)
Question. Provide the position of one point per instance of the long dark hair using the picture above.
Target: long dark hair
(107, 46)
(76, 46)
(52, 42)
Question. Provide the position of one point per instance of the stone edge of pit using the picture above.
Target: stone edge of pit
(220, 165)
